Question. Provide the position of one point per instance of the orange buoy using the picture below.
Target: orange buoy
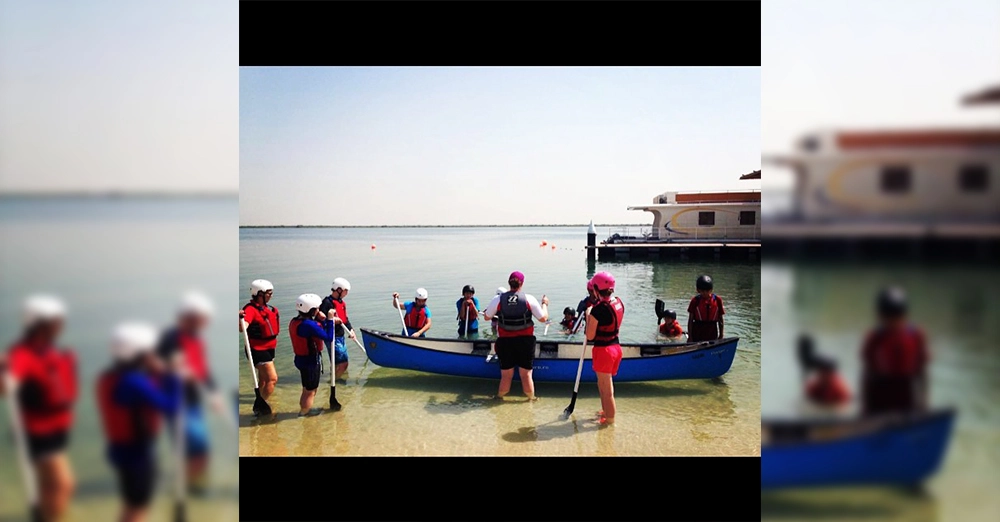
(553, 247)
(544, 243)
(373, 247)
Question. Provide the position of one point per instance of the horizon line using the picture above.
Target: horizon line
(584, 225)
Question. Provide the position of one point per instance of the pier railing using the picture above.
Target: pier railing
(694, 234)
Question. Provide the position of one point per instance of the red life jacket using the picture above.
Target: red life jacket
(124, 424)
(671, 329)
(607, 334)
(896, 353)
(47, 387)
(705, 311)
(416, 318)
(341, 308)
(303, 345)
(263, 334)
(828, 390)
(194, 355)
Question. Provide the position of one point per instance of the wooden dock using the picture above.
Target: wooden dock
(889, 241)
(719, 251)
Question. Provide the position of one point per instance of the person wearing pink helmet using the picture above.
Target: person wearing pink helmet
(603, 323)
(515, 344)
(585, 303)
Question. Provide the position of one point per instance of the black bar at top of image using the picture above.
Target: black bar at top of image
(553, 489)
(549, 33)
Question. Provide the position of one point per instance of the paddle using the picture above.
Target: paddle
(259, 404)
(466, 320)
(660, 307)
(223, 411)
(360, 345)
(20, 440)
(395, 301)
(334, 404)
(180, 514)
(576, 387)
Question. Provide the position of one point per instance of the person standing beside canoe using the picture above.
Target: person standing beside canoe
(309, 331)
(895, 358)
(185, 340)
(133, 396)
(494, 322)
(262, 329)
(468, 313)
(515, 344)
(603, 324)
(585, 303)
(417, 318)
(339, 290)
(44, 380)
(705, 313)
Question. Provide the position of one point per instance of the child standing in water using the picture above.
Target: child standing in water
(569, 320)
(468, 312)
(705, 313)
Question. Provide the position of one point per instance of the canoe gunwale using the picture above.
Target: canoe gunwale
(667, 349)
(798, 433)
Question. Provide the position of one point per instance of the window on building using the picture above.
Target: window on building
(974, 178)
(896, 180)
(706, 218)
(748, 217)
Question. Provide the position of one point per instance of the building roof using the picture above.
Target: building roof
(984, 97)
(918, 138)
(753, 175)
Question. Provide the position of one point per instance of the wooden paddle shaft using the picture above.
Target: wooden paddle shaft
(246, 345)
(20, 439)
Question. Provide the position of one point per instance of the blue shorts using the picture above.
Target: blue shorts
(340, 345)
(195, 432)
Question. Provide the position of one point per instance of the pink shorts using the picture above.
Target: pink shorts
(607, 359)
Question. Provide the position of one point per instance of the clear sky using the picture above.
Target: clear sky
(110, 95)
(446, 146)
(864, 64)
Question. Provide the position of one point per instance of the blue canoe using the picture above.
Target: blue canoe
(554, 361)
(894, 450)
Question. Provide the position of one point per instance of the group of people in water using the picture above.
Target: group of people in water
(153, 376)
(512, 314)
(894, 357)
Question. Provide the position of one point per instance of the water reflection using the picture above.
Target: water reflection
(848, 504)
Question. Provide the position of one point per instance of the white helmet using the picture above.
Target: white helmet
(260, 285)
(501, 291)
(421, 293)
(196, 303)
(307, 302)
(339, 283)
(43, 308)
(131, 339)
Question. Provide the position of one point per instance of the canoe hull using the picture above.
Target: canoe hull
(552, 364)
(903, 453)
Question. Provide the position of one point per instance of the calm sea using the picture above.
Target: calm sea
(115, 260)
(399, 412)
(957, 307)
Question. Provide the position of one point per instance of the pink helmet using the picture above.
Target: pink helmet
(603, 281)
(590, 285)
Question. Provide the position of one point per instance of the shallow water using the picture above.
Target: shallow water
(114, 260)
(399, 412)
(956, 306)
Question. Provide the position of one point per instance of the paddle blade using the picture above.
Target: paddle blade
(36, 513)
(334, 405)
(660, 307)
(180, 514)
(569, 409)
(259, 404)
